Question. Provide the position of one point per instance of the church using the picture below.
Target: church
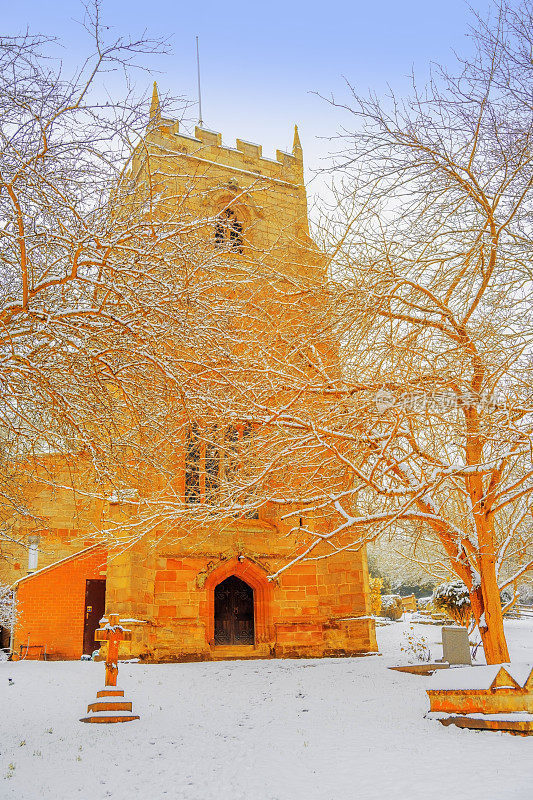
(209, 595)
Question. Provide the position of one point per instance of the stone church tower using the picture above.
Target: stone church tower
(202, 597)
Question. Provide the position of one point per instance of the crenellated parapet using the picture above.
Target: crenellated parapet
(207, 145)
(197, 175)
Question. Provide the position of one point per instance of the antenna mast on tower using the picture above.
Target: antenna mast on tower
(200, 120)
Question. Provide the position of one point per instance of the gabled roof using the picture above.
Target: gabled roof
(59, 563)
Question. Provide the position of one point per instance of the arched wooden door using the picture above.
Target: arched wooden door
(234, 612)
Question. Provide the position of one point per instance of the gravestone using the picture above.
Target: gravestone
(455, 645)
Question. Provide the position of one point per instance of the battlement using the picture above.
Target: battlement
(206, 145)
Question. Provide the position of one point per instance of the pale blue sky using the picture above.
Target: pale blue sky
(262, 61)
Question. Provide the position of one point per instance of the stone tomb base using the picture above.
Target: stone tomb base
(423, 668)
(493, 698)
(110, 706)
(519, 723)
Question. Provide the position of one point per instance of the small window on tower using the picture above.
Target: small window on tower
(228, 232)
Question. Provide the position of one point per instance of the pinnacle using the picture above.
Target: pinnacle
(155, 108)
(296, 145)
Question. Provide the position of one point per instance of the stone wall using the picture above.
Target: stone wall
(312, 609)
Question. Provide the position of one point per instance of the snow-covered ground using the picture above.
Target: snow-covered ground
(332, 729)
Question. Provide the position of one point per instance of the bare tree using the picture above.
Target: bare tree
(119, 307)
(430, 419)
(395, 396)
(441, 289)
(71, 312)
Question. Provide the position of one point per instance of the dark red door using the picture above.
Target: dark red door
(234, 612)
(94, 611)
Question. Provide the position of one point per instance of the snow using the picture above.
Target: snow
(112, 713)
(479, 678)
(324, 729)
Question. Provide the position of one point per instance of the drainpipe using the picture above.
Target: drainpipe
(12, 621)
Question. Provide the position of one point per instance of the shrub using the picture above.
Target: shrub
(506, 597)
(425, 603)
(415, 647)
(7, 606)
(453, 598)
(391, 606)
(375, 596)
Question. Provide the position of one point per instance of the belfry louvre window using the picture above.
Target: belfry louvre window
(228, 232)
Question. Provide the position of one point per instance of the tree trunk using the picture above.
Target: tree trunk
(487, 609)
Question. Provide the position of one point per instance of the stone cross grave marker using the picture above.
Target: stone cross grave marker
(110, 704)
(455, 645)
(113, 633)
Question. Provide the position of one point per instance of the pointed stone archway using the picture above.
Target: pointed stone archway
(255, 578)
(234, 612)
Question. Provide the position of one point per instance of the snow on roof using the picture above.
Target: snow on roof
(477, 677)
